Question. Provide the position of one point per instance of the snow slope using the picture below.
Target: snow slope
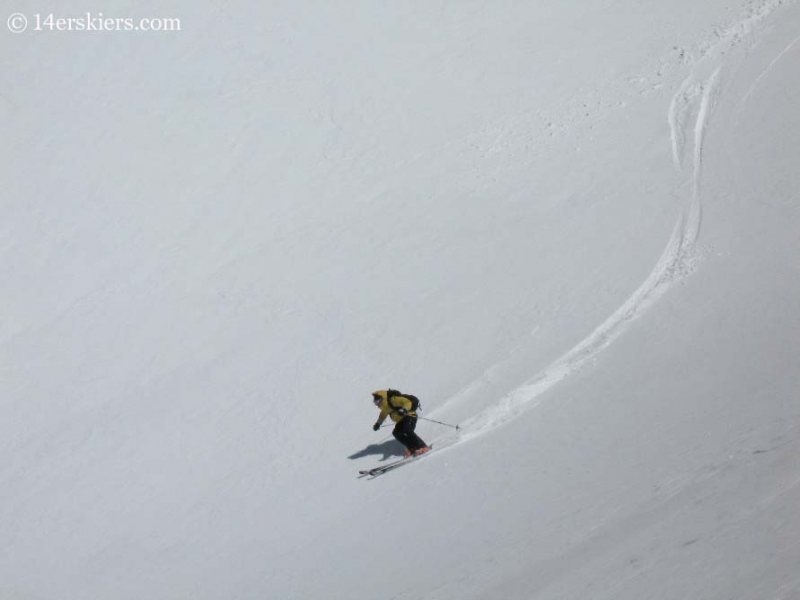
(571, 227)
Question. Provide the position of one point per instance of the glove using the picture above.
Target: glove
(402, 411)
(376, 426)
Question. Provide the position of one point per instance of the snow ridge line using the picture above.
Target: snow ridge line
(766, 72)
(676, 262)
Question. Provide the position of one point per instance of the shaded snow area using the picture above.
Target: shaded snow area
(570, 227)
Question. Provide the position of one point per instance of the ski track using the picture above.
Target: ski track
(676, 261)
(678, 114)
(707, 102)
(694, 100)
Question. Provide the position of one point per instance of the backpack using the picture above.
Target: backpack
(415, 403)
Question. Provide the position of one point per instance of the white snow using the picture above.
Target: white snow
(570, 227)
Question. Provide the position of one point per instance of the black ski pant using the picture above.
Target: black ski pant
(404, 433)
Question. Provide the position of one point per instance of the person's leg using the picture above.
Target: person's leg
(414, 441)
(401, 435)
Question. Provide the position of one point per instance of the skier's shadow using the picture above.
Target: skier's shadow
(386, 450)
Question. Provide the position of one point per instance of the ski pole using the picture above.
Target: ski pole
(456, 427)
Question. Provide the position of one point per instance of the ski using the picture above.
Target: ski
(374, 472)
(378, 471)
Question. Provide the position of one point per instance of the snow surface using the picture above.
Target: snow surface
(570, 227)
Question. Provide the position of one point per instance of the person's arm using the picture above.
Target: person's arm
(381, 418)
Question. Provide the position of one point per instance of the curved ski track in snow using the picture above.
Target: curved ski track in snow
(694, 99)
(676, 262)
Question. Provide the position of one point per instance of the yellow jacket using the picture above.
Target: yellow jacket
(389, 406)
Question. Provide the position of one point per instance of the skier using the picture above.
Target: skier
(402, 409)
